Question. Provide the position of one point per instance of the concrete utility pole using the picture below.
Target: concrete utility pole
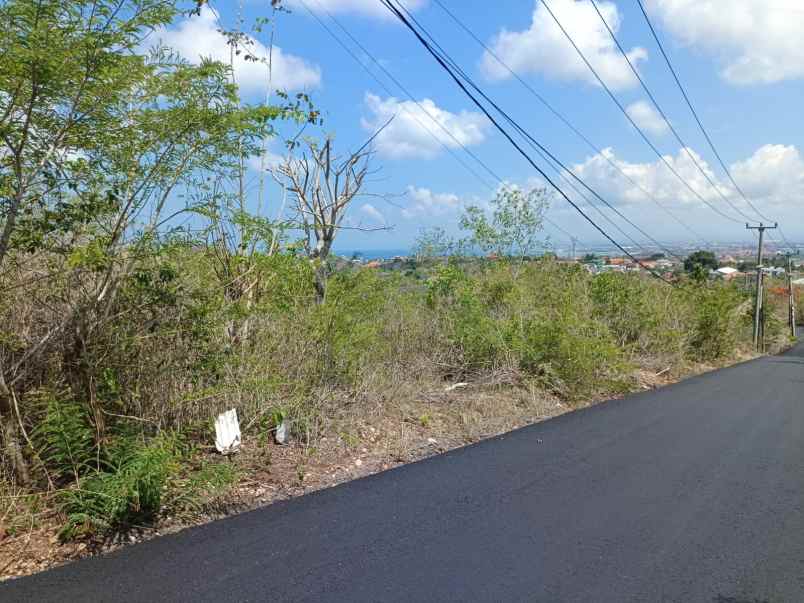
(574, 245)
(792, 312)
(758, 303)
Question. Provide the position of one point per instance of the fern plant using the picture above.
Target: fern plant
(128, 493)
(66, 440)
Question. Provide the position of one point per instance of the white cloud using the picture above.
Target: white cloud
(369, 8)
(773, 174)
(413, 134)
(428, 203)
(543, 48)
(757, 41)
(647, 118)
(198, 37)
(772, 177)
(372, 212)
(654, 177)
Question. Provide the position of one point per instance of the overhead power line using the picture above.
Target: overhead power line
(443, 62)
(664, 117)
(406, 92)
(633, 123)
(569, 124)
(698, 120)
(562, 170)
(403, 89)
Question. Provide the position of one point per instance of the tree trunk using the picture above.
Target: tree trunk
(81, 377)
(320, 281)
(320, 270)
(9, 433)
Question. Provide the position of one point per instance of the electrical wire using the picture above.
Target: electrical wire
(698, 120)
(541, 150)
(569, 124)
(495, 176)
(664, 117)
(442, 61)
(633, 123)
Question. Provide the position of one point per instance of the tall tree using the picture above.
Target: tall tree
(701, 261)
(322, 186)
(97, 137)
(515, 224)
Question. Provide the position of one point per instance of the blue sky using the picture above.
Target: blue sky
(742, 62)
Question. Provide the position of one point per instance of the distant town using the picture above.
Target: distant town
(735, 260)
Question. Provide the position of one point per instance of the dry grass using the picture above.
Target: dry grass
(380, 375)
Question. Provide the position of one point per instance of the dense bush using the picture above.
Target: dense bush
(800, 305)
(165, 359)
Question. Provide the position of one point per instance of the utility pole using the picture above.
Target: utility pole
(758, 302)
(792, 311)
(574, 245)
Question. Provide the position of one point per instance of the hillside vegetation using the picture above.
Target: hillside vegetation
(111, 415)
(143, 290)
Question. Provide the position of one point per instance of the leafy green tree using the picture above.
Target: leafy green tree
(95, 139)
(434, 243)
(66, 70)
(701, 260)
(515, 224)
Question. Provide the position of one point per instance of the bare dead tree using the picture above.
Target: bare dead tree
(322, 185)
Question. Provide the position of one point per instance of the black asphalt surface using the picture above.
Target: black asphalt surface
(694, 492)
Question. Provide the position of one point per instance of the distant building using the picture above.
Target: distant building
(727, 273)
(613, 268)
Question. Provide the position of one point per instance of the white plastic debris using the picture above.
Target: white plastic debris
(281, 434)
(455, 386)
(227, 432)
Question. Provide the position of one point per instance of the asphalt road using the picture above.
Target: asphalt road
(694, 492)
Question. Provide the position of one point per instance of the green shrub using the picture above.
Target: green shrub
(716, 324)
(65, 439)
(201, 488)
(535, 318)
(462, 306)
(799, 297)
(128, 492)
(346, 329)
(646, 317)
(555, 335)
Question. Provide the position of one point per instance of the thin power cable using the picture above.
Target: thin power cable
(540, 149)
(441, 61)
(495, 176)
(561, 174)
(406, 92)
(444, 59)
(698, 120)
(664, 117)
(599, 152)
(633, 123)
